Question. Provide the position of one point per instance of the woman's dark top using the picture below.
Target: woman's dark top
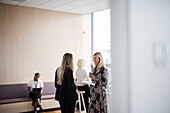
(67, 91)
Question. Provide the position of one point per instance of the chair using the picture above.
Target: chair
(80, 93)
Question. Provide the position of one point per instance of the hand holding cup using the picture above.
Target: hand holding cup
(92, 76)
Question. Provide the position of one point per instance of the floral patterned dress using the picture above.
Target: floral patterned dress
(98, 92)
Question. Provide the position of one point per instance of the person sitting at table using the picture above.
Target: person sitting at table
(81, 75)
(36, 98)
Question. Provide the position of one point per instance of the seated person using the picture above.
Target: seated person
(36, 97)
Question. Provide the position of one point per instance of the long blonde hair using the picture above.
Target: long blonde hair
(101, 62)
(67, 61)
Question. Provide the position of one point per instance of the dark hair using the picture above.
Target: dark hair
(37, 74)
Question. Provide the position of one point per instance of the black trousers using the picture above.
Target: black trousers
(85, 96)
(67, 107)
(34, 97)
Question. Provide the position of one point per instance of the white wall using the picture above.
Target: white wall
(86, 44)
(87, 40)
(149, 81)
(145, 68)
(119, 57)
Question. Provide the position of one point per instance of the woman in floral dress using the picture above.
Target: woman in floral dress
(99, 76)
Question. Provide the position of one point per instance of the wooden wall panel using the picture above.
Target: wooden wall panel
(34, 40)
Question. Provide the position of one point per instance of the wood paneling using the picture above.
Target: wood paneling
(34, 40)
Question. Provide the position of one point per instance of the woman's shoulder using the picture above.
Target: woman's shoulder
(81, 69)
(40, 80)
(68, 69)
(104, 69)
(31, 81)
(56, 70)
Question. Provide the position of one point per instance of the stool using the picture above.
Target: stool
(80, 93)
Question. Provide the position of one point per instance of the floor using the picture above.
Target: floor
(58, 111)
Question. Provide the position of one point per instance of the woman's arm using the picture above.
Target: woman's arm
(55, 82)
(92, 77)
(86, 76)
(42, 85)
(29, 89)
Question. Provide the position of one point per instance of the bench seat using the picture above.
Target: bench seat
(14, 98)
(24, 99)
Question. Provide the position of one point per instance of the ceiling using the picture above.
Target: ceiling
(70, 6)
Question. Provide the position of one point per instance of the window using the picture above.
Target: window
(102, 34)
(102, 41)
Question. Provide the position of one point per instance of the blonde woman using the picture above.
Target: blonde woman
(81, 75)
(65, 87)
(98, 90)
